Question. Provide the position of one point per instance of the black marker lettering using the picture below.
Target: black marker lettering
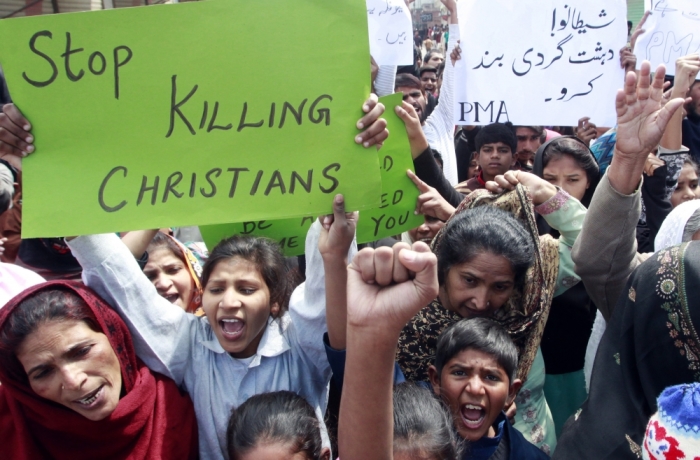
(296, 177)
(176, 107)
(321, 114)
(234, 182)
(216, 171)
(242, 124)
(272, 116)
(212, 126)
(254, 190)
(276, 181)
(383, 202)
(297, 113)
(170, 186)
(103, 185)
(376, 224)
(336, 167)
(144, 189)
(193, 185)
(66, 58)
(204, 115)
(118, 63)
(54, 69)
(91, 61)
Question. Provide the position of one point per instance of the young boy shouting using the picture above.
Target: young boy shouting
(474, 374)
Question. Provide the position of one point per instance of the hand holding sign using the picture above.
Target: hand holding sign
(376, 132)
(15, 140)
(416, 137)
(430, 202)
(338, 231)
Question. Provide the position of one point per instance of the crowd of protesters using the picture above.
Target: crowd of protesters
(547, 306)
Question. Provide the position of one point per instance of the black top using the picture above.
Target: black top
(691, 134)
(429, 172)
(650, 343)
(656, 207)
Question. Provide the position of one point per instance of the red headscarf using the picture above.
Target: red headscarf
(153, 420)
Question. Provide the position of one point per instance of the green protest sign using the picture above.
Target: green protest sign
(398, 199)
(399, 194)
(172, 115)
(289, 233)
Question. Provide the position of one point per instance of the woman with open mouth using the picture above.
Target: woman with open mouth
(72, 386)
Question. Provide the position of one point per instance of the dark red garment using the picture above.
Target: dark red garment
(153, 420)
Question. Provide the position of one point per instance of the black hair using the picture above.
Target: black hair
(485, 229)
(427, 68)
(430, 53)
(689, 161)
(496, 132)
(579, 151)
(163, 241)
(406, 80)
(539, 130)
(422, 424)
(264, 253)
(270, 418)
(49, 305)
(480, 334)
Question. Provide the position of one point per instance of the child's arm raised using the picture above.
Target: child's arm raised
(386, 287)
(337, 233)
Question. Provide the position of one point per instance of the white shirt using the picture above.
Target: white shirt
(290, 356)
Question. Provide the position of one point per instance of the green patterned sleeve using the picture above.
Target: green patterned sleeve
(565, 214)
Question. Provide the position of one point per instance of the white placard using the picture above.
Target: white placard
(390, 32)
(671, 31)
(539, 62)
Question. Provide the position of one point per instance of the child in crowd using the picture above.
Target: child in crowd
(672, 432)
(474, 374)
(279, 425)
(249, 342)
(422, 426)
(386, 287)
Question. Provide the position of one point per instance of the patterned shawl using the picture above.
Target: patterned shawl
(651, 342)
(525, 313)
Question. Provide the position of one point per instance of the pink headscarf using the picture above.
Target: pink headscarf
(15, 279)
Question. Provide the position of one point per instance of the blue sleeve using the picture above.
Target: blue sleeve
(336, 360)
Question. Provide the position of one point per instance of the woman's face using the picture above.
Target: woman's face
(564, 172)
(427, 230)
(479, 286)
(70, 364)
(236, 301)
(170, 276)
(687, 188)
